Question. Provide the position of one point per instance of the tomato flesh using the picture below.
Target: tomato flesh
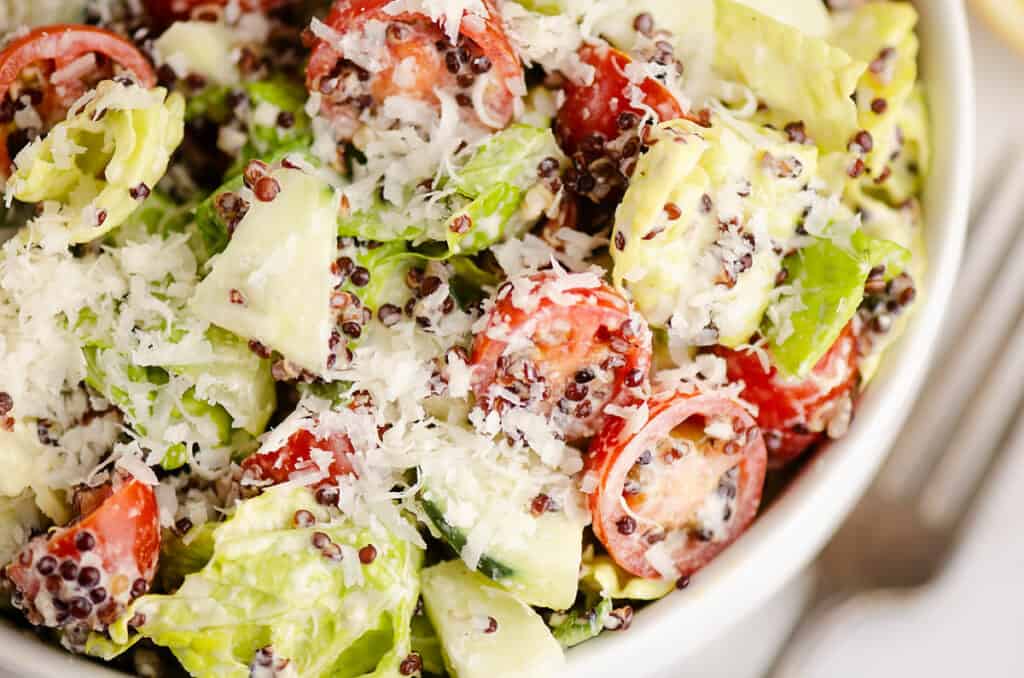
(685, 483)
(597, 113)
(53, 66)
(794, 414)
(297, 456)
(416, 60)
(85, 574)
(562, 350)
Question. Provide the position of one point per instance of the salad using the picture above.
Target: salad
(427, 337)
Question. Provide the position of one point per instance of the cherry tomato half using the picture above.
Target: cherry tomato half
(686, 482)
(564, 346)
(53, 66)
(88, 572)
(296, 456)
(594, 114)
(794, 414)
(416, 59)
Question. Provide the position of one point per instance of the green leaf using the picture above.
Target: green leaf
(267, 585)
(181, 556)
(269, 140)
(427, 644)
(583, 623)
(829, 278)
(799, 76)
(123, 137)
(508, 157)
(489, 219)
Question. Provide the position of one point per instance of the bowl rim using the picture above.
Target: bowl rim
(794, 528)
(790, 533)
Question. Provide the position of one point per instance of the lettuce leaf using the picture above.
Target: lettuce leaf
(798, 76)
(881, 34)
(508, 157)
(827, 278)
(484, 201)
(266, 585)
(583, 622)
(93, 162)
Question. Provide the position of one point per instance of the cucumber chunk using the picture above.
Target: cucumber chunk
(537, 558)
(273, 282)
(485, 631)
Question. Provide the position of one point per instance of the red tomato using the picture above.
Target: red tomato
(483, 50)
(166, 11)
(793, 414)
(595, 114)
(54, 66)
(85, 574)
(687, 492)
(296, 456)
(564, 346)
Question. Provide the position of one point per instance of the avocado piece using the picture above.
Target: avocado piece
(462, 605)
(540, 566)
(696, 233)
(273, 282)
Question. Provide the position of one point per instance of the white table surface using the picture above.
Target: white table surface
(970, 621)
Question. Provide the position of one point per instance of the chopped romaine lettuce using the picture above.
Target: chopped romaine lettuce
(267, 136)
(234, 378)
(483, 203)
(881, 34)
(181, 556)
(268, 586)
(100, 162)
(385, 222)
(486, 220)
(810, 17)
(509, 157)
(152, 409)
(910, 166)
(827, 282)
(583, 622)
(799, 77)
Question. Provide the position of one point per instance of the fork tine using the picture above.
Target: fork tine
(977, 441)
(957, 372)
(988, 242)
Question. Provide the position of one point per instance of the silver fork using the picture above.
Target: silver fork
(908, 523)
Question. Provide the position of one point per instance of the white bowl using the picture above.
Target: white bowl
(788, 535)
